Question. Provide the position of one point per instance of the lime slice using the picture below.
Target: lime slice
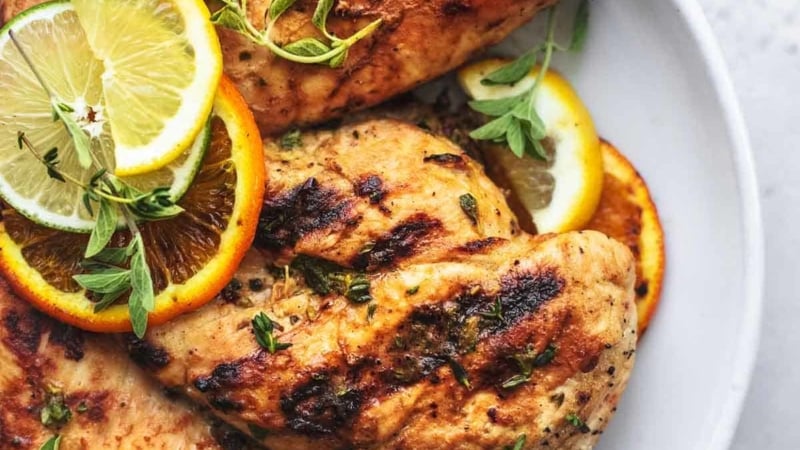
(51, 35)
(162, 63)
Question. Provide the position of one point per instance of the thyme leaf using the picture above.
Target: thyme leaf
(460, 373)
(576, 422)
(263, 328)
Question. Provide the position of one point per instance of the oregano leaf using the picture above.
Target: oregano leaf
(112, 255)
(496, 107)
(104, 228)
(141, 281)
(278, 7)
(514, 71)
(80, 139)
(104, 283)
(516, 138)
(492, 130)
(338, 60)
(307, 47)
(108, 299)
(580, 26)
(231, 18)
(320, 16)
(52, 444)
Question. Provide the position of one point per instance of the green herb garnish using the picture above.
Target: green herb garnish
(576, 421)
(52, 444)
(324, 277)
(291, 139)
(516, 121)
(469, 204)
(329, 50)
(495, 312)
(460, 373)
(55, 412)
(106, 275)
(371, 312)
(528, 361)
(257, 432)
(263, 328)
(518, 444)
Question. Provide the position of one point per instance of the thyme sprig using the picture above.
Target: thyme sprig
(110, 272)
(263, 328)
(331, 50)
(516, 122)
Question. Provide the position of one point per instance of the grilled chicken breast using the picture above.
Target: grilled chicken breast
(417, 41)
(475, 334)
(48, 366)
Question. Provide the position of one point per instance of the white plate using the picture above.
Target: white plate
(658, 89)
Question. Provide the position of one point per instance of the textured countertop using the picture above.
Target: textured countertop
(760, 40)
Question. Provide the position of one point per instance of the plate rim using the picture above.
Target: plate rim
(747, 344)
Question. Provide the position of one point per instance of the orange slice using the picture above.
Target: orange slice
(192, 256)
(627, 213)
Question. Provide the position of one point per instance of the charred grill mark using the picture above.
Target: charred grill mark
(224, 375)
(145, 354)
(236, 374)
(229, 438)
(71, 338)
(225, 404)
(435, 334)
(447, 160)
(481, 245)
(399, 243)
(432, 336)
(317, 407)
(370, 186)
(24, 332)
(307, 208)
(523, 293)
(456, 7)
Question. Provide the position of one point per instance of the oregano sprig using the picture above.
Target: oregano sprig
(110, 273)
(331, 51)
(516, 121)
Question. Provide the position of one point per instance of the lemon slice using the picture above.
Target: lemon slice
(52, 36)
(562, 193)
(161, 66)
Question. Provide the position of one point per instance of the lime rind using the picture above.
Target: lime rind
(51, 32)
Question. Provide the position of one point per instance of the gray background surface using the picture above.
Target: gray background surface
(760, 40)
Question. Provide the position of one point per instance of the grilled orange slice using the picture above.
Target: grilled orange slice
(627, 213)
(191, 256)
